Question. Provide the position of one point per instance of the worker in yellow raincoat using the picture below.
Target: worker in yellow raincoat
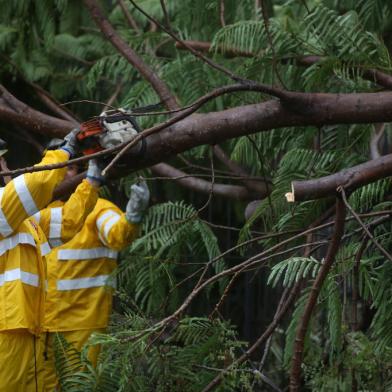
(22, 266)
(79, 298)
(60, 221)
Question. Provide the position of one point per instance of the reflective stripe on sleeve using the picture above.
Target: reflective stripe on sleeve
(24, 195)
(18, 274)
(108, 214)
(85, 254)
(109, 224)
(5, 228)
(83, 283)
(37, 216)
(45, 249)
(56, 221)
(13, 241)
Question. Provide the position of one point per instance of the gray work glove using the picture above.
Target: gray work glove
(94, 172)
(138, 202)
(71, 143)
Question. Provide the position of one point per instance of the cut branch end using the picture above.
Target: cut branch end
(290, 196)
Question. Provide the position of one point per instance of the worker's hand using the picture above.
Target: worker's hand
(138, 202)
(94, 173)
(71, 145)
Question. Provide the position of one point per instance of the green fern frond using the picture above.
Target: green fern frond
(292, 270)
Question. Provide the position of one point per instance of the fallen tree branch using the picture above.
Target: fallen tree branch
(350, 179)
(182, 115)
(216, 127)
(16, 112)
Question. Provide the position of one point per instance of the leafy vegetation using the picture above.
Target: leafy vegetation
(56, 45)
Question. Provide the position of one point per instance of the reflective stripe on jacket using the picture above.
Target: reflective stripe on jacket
(28, 193)
(61, 221)
(23, 245)
(80, 271)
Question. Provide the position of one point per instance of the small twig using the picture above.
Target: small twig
(268, 343)
(211, 192)
(224, 295)
(271, 42)
(113, 97)
(199, 175)
(104, 104)
(165, 13)
(269, 188)
(369, 234)
(267, 333)
(295, 373)
(354, 309)
(260, 186)
(128, 16)
(377, 134)
(274, 91)
(355, 289)
(222, 13)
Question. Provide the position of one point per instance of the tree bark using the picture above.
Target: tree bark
(350, 179)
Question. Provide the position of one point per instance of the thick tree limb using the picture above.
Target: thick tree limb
(16, 112)
(231, 191)
(216, 127)
(350, 179)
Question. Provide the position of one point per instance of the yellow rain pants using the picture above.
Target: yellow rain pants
(47, 369)
(17, 356)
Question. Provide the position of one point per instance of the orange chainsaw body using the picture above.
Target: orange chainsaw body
(89, 136)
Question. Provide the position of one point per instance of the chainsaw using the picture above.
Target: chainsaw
(110, 129)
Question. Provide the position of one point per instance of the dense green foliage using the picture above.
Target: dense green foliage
(55, 44)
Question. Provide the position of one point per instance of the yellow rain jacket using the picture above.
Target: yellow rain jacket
(60, 221)
(23, 245)
(23, 271)
(79, 296)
